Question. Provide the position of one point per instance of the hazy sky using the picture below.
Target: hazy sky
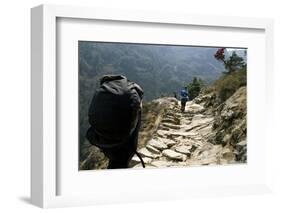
(235, 49)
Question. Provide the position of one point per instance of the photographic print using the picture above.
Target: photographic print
(158, 106)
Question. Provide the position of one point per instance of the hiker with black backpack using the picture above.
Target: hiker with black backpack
(115, 118)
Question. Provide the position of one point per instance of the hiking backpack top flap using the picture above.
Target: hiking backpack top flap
(114, 109)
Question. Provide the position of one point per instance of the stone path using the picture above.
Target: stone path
(181, 140)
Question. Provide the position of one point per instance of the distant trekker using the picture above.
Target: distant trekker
(184, 98)
(115, 117)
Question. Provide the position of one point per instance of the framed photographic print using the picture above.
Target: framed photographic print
(130, 106)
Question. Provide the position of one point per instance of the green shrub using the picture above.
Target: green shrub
(229, 83)
(194, 88)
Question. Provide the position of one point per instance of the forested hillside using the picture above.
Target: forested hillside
(160, 70)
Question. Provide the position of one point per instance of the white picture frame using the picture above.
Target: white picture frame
(44, 154)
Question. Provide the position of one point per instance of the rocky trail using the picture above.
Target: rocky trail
(181, 139)
(207, 133)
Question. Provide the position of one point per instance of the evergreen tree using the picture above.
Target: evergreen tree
(233, 63)
(194, 88)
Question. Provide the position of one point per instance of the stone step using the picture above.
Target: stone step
(147, 166)
(145, 153)
(161, 163)
(180, 133)
(174, 121)
(157, 144)
(171, 126)
(146, 160)
(161, 127)
(170, 154)
(153, 149)
(173, 115)
(194, 108)
(184, 150)
(169, 142)
(197, 121)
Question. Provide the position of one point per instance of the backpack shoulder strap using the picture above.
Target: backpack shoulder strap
(132, 85)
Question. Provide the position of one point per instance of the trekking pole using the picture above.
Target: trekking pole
(139, 156)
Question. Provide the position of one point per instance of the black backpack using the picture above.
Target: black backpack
(114, 111)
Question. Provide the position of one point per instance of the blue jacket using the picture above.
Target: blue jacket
(183, 94)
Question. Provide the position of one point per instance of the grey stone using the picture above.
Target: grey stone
(194, 108)
(227, 114)
(168, 142)
(146, 160)
(145, 153)
(157, 144)
(242, 143)
(228, 155)
(172, 154)
(139, 166)
(226, 138)
(153, 149)
(171, 126)
(184, 149)
(160, 163)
